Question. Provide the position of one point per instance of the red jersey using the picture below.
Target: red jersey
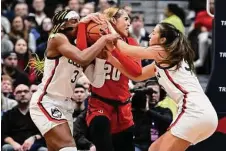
(116, 84)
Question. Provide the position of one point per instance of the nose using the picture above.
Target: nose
(149, 36)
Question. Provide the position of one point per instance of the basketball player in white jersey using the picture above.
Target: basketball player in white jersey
(51, 107)
(196, 118)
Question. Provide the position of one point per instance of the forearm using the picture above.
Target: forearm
(9, 140)
(127, 63)
(91, 52)
(122, 69)
(96, 73)
(134, 51)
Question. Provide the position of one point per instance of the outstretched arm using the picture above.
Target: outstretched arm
(151, 52)
(147, 71)
(84, 57)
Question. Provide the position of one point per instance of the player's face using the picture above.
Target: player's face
(122, 24)
(72, 23)
(154, 37)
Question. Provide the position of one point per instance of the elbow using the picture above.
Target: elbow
(83, 61)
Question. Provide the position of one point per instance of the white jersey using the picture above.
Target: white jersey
(178, 83)
(60, 76)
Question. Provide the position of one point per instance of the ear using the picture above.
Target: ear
(113, 20)
(162, 40)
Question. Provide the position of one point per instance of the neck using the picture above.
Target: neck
(9, 72)
(80, 106)
(39, 13)
(23, 107)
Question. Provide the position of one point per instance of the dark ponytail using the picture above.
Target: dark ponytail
(177, 46)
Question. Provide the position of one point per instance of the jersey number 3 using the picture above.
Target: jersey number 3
(76, 73)
(111, 73)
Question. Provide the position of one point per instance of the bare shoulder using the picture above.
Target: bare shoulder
(59, 39)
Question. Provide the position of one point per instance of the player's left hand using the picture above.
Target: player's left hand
(95, 17)
(28, 143)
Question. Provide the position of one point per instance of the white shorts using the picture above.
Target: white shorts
(194, 122)
(47, 112)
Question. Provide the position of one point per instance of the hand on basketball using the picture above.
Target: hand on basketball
(111, 38)
(95, 17)
(110, 46)
(110, 28)
(102, 54)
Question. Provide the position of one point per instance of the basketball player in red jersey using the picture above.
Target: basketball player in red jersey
(109, 114)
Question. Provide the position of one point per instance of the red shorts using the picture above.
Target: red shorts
(119, 121)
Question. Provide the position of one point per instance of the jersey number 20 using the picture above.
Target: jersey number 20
(111, 74)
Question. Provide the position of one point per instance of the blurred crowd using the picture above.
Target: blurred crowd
(25, 25)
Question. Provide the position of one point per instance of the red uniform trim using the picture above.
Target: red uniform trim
(184, 100)
(44, 93)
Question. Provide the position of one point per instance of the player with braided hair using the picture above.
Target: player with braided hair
(51, 107)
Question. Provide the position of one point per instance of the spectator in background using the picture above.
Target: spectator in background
(45, 29)
(7, 86)
(5, 24)
(103, 4)
(74, 5)
(23, 56)
(7, 103)
(84, 12)
(203, 23)
(79, 97)
(31, 25)
(10, 68)
(18, 31)
(18, 130)
(21, 9)
(175, 16)
(161, 114)
(81, 134)
(33, 88)
(128, 8)
(38, 6)
(6, 44)
(151, 120)
(90, 7)
(137, 30)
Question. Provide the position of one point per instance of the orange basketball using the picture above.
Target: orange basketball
(94, 32)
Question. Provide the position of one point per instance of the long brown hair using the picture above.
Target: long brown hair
(176, 45)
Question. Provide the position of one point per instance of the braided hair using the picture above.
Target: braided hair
(59, 20)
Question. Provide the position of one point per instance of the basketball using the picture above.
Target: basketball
(94, 31)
